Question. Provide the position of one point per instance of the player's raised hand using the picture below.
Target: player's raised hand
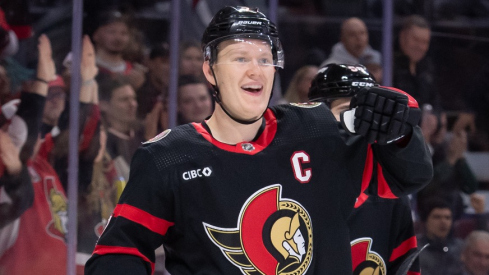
(381, 114)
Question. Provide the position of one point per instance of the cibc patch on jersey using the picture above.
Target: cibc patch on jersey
(273, 235)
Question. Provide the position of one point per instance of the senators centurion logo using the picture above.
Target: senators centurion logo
(365, 261)
(273, 235)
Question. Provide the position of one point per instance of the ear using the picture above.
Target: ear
(208, 73)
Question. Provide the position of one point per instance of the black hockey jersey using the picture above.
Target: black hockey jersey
(382, 235)
(275, 205)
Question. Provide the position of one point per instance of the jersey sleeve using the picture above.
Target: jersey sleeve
(402, 170)
(139, 221)
(404, 243)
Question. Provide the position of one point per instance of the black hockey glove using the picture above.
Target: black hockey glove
(381, 114)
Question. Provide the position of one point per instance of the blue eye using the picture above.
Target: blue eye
(265, 61)
(241, 59)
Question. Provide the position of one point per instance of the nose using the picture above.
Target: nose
(254, 68)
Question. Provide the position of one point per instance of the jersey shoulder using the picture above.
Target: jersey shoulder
(175, 146)
(312, 119)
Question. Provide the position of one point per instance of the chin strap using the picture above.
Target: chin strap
(217, 96)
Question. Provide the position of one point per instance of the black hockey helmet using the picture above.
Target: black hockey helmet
(241, 22)
(339, 80)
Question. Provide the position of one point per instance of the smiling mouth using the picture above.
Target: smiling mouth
(252, 88)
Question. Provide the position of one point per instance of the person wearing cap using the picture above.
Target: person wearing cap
(54, 106)
(111, 38)
(252, 189)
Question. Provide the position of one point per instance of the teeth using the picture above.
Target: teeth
(256, 87)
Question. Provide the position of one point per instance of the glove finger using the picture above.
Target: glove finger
(384, 124)
(379, 105)
(363, 128)
(394, 130)
(389, 106)
(376, 121)
(399, 111)
(366, 114)
(371, 99)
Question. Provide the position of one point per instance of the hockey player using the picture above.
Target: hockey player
(253, 190)
(381, 227)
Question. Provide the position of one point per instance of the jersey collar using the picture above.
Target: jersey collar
(247, 147)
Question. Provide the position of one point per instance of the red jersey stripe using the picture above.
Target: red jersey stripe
(368, 169)
(413, 273)
(143, 218)
(403, 248)
(383, 189)
(107, 249)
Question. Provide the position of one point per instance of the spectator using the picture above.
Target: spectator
(49, 211)
(194, 105)
(54, 106)
(452, 174)
(118, 105)
(55, 130)
(442, 256)
(299, 85)
(111, 38)
(157, 79)
(413, 70)
(191, 59)
(14, 180)
(475, 255)
(353, 45)
(477, 100)
(194, 100)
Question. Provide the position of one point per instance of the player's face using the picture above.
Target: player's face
(194, 102)
(339, 105)
(244, 71)
(112, 37)
(439, 223)
(414, 42)
(476, 258)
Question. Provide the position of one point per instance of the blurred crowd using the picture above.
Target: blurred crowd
(123, 102)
